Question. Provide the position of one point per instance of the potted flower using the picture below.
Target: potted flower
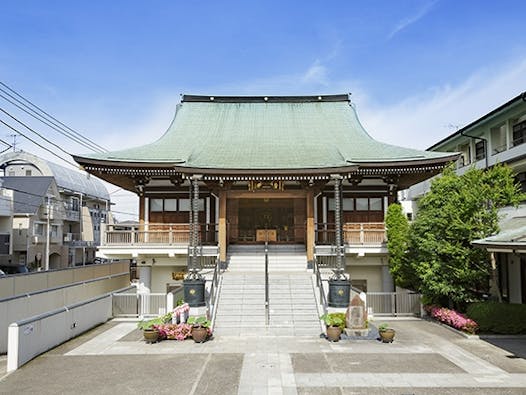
(149, 327)
(335, 323)
(200, 328)
(386, 334)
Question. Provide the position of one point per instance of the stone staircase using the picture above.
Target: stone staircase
(292, 303)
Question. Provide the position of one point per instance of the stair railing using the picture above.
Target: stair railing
(267, 312)
(319, 284)
(214, 293)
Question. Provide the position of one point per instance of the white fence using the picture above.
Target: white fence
(144, 305)
(394, 303)
(33, 336)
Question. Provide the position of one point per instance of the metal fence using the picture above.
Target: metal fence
(138, 305)
(394, 303)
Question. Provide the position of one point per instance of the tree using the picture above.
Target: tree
(397, 227)
(445, 267)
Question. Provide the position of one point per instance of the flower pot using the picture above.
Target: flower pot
(387, 335)
(199, 334)
(151, 335)
(333, 333)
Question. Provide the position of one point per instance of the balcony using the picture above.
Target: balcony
(353, 233)
(72, 215)
(158, 235)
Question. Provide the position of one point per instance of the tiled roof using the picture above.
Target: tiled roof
(266, 133)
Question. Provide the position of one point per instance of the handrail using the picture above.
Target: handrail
(319, 284)
(214, 292)
(267, 316)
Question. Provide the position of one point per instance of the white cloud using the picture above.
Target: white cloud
(423, 120)
(315, 74)
(406, 22)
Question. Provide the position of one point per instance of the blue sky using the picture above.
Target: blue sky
(114, 70)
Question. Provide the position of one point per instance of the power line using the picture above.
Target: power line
(56, 124)
(34, 131)
(80, 142)
(38, 144)
(8, 146)
(39, 118)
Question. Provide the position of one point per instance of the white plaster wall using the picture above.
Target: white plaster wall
(373, 275)
(162, 275)
(366, 261)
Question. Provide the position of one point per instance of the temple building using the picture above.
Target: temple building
(249, 170)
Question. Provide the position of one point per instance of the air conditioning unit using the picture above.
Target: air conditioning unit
(68, 237)
(35, 239)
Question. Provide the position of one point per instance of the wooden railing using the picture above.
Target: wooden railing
(365, 233)
(158, 234)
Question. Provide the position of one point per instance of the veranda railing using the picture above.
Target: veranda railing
(158, 234)
(354, 233)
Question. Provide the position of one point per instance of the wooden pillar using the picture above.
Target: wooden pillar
(222, 231)
(142, 211)
(310, 226)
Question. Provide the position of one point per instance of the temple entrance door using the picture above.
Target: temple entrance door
(276, 220)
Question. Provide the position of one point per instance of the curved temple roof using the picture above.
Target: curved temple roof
(266, 133)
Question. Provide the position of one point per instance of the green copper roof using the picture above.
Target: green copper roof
(266, 133)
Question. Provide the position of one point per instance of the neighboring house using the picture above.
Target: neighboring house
(261, 168)
(497, 137)
(79, 205)
(6, 226)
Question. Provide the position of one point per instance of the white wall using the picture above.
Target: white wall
(36, 335)
(18, 308)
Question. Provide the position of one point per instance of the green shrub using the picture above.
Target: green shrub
(501, 318)
(334, 319)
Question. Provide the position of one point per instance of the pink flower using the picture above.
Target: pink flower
(452, 318)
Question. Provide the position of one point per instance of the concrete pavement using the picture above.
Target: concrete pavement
(424, 359)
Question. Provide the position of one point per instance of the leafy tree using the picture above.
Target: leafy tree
(397, 244)
(445, 267)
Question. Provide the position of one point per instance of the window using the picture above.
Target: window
(375, 204)
(170, 204)
(75, 204)
(359, 204)
(348, 204)
(362, 204)
(156, 205)
(519, 133)
(28, 173)
(480, 150)
(184, 205)
(38, 229)
(54, 231)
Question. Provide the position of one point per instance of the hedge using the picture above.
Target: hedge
(500, 318)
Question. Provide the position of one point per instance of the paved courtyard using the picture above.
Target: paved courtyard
(424, 359)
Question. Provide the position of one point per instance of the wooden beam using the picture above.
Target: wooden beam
(266, 194)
